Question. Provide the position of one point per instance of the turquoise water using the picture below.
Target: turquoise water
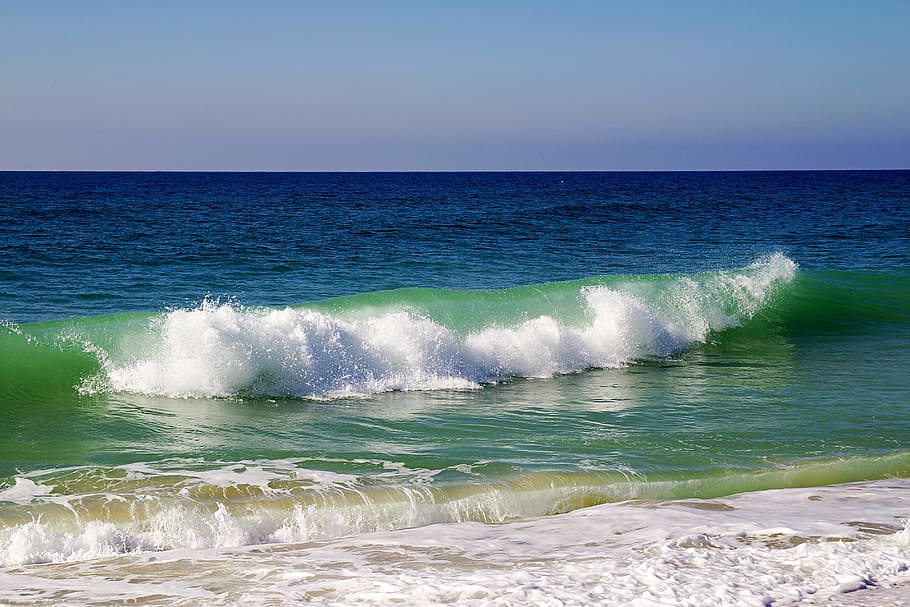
(323, 356)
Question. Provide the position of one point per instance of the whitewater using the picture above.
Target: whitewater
(812, 544)
(220, 349)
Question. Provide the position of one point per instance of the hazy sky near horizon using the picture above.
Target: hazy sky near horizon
(571, 85)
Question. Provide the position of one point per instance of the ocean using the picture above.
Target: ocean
(453, 388)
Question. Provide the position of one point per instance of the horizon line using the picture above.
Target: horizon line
(393, 171)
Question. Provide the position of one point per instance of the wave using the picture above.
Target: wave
(773, 547)
(412, 339)
(80, 513)
(425, 339)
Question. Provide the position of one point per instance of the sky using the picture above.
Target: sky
(432, 85)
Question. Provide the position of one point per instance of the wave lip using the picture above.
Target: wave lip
(224, 350)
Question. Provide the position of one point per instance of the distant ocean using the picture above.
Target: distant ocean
(437, 388)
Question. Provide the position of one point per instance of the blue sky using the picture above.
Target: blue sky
(570, 85)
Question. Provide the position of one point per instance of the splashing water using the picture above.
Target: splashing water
(223, 349)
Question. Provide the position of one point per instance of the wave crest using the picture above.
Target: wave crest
(224, 350)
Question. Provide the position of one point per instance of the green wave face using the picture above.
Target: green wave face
(412, 339)
(838, 302)
(428, 339)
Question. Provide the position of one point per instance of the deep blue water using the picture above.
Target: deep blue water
(77, 244)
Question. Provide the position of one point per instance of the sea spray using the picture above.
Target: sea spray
(222, 350)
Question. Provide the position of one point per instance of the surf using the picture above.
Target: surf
(83, 512)
(423, 339)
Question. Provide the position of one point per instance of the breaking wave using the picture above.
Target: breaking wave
(422, 339)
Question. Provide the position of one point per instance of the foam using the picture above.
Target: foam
(185, 504)
(89, 513)
(219, 350)
(24, 491)
(774, 547)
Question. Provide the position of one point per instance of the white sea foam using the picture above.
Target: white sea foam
(11, 327)
(189, 504)
(24, 491)
(223, 350)
(777, 547)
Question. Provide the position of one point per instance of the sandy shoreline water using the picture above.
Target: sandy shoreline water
(894, 592)
(633, 553)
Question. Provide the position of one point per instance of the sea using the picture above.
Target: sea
(268, 389)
